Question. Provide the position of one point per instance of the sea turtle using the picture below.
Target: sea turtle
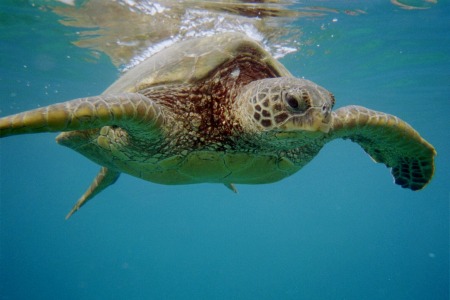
(219, 109)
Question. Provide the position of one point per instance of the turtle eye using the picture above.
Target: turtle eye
(292, 101)
(297, 102)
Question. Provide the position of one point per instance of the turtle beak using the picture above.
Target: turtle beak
(326, 118)
(318, 118)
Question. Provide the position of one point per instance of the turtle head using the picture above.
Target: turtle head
(288, 105)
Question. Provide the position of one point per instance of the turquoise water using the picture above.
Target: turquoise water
(338, 229)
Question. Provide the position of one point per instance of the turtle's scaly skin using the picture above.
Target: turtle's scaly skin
(221, 110)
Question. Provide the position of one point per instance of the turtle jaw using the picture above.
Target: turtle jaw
(315, 119)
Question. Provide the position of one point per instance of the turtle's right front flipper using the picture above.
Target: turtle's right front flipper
(388, 140)
(131, 111)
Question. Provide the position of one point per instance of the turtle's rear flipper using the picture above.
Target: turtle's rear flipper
(104, 178)
(232, 187)
(388, 140)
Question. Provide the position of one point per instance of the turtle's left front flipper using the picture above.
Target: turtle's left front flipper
(388, 140)
(131, 111)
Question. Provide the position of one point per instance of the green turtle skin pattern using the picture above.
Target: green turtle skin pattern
(219, 109)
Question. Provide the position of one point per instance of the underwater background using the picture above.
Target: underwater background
(338, 229)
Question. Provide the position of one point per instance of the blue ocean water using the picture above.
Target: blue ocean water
(338, 229)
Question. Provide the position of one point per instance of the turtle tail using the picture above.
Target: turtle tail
(85, 113)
